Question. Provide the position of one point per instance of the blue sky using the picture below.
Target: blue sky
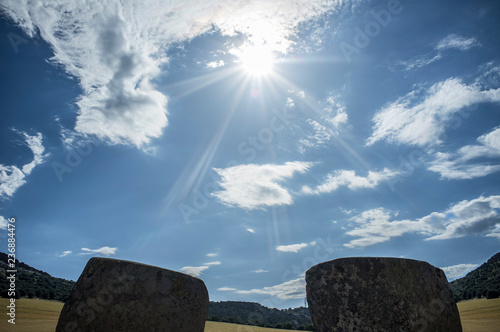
(246, 141)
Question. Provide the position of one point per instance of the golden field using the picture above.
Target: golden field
(40, 315)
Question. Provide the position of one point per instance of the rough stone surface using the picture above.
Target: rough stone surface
(380, 294)
(116, 295)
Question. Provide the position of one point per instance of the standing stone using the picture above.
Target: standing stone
(380, 294)
(116, 295)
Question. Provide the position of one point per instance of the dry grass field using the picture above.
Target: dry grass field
(41, 316)
(480, 315)
(227, 327)
(31, 315)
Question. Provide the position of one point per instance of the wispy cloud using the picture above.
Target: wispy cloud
(292, 247)
(194, 271)
(423, 122)
(458, 42)
(250, 230)
(479, 216)
(289, 290)
(116, 48)
(215, 64)
(226, 289)
(102, 251)
(419, 61)
(452, 41)
(333, 117)
(197, 271)
(65, 253)
(260, 271)
(470, 161)
(11, 177)
(212, 263)
(3, 222)
(212, 254)
(349, 179)
(257, 186)
(456, 271)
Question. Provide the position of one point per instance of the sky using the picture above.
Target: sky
(243, 142)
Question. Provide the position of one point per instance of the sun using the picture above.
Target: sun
(257, 60)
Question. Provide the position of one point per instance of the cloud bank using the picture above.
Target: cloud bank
(480, 216)
(115, 49)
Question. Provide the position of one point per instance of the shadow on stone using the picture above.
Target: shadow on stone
(380, 294)
(117, 295)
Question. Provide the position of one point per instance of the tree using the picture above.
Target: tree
(493, 294)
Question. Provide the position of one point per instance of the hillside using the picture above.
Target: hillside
(482, 282)
(33, 283)
(250, 313)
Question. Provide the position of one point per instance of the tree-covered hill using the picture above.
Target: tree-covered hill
(251, 313)
(482, 282)
(33, 283)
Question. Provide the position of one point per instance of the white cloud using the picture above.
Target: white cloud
(328, 125)
(226, 289)
(456, 271)
(349, 179)
(292, 247)
(194, 271)
(460, 165)
(215, 64)
(419, 61)
(257, 186)
(423, 123)
(260, 271)
(457, 42)
(289, 290)
(212, 254)
(479, 216)
(11, 177)
(66, 253)
(116, 48)
(250, 230)
(452, 41)
(212, 263)
(3, 222)
(102, 251)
